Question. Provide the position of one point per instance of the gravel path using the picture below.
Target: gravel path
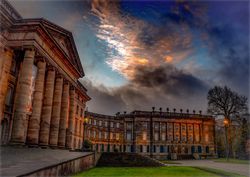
(242, 169)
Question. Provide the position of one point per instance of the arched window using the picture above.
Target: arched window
(207, 149)
(193, 149)
(199, 149)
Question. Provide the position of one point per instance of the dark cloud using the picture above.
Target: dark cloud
(150, 87)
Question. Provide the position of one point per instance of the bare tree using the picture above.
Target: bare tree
(222, 101)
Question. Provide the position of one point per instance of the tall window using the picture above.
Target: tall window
(117, 136)
(128, 136)
(100, 135)
(100, 123)
(144, 136)
(105, 135)
(163, 136)
(111, 124)
(117, 125)
(156, 136)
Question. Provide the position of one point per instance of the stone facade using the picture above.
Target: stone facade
(158, 134)
(40, 95)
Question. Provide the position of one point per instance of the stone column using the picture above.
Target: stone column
(23, 92)
(34, 122)
(47, 107)
(56, 110)
(6, 56)
(64, 115)
(71, 121)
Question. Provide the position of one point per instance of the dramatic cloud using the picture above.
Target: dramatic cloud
(155, 58)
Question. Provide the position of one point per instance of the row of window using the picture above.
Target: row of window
(163, 137)
(146, 148)
(103, 135)
(163, 126)
(100, 123)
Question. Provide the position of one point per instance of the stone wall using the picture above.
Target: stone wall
(65, 168)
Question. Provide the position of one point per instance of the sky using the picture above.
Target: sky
(140, 54)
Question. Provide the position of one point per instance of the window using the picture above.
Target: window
(170, 137)
(111, 124)
(128, 148)
(117, 125)
(199, 149)
(207, 149)
(100, 135)
(144, 148)
(183, 138)
(144, 136)
(94, 134)
(156, 136)
(111, 135)
(105, 135)
(77, 110)
(94, 122)
(163, 126)
(156, 125)
(129, 125)
(81, 112)
(145, 125)
(117, 136)
(128, 136)
(100, 123)
(106, 124)
(176, 138)
(183, 128)
(162, 149)
(90, 121)
(163, 136)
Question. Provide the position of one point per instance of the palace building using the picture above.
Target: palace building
(42, 102)
(157, 134)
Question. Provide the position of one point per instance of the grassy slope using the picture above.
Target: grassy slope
(146, 172)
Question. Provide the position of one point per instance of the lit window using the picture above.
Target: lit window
(163, 136)
(117, 136)
(111, 135)
(144, 136)
(156, 136)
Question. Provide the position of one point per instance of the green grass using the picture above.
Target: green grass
(219, 172)
(231, 160)
(146, 172)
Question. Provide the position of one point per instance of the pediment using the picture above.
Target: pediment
(65, 41)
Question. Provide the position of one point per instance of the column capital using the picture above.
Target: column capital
(39, 59)
(59, 75)
(51, 68)
(72, 87)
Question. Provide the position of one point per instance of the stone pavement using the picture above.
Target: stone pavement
(242, 169)
(20, 160)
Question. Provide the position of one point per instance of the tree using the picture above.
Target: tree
(222, 101)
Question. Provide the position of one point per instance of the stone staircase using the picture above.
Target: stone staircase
(116, 159)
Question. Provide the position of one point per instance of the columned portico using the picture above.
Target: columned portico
(38, 64)
(34, 122)
(22, 99)
(56, 110)
(71, 122)
(5, 65)
(64, 115)
(47, 107)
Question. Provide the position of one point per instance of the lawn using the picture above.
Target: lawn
(231, 160)
(146, 172)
